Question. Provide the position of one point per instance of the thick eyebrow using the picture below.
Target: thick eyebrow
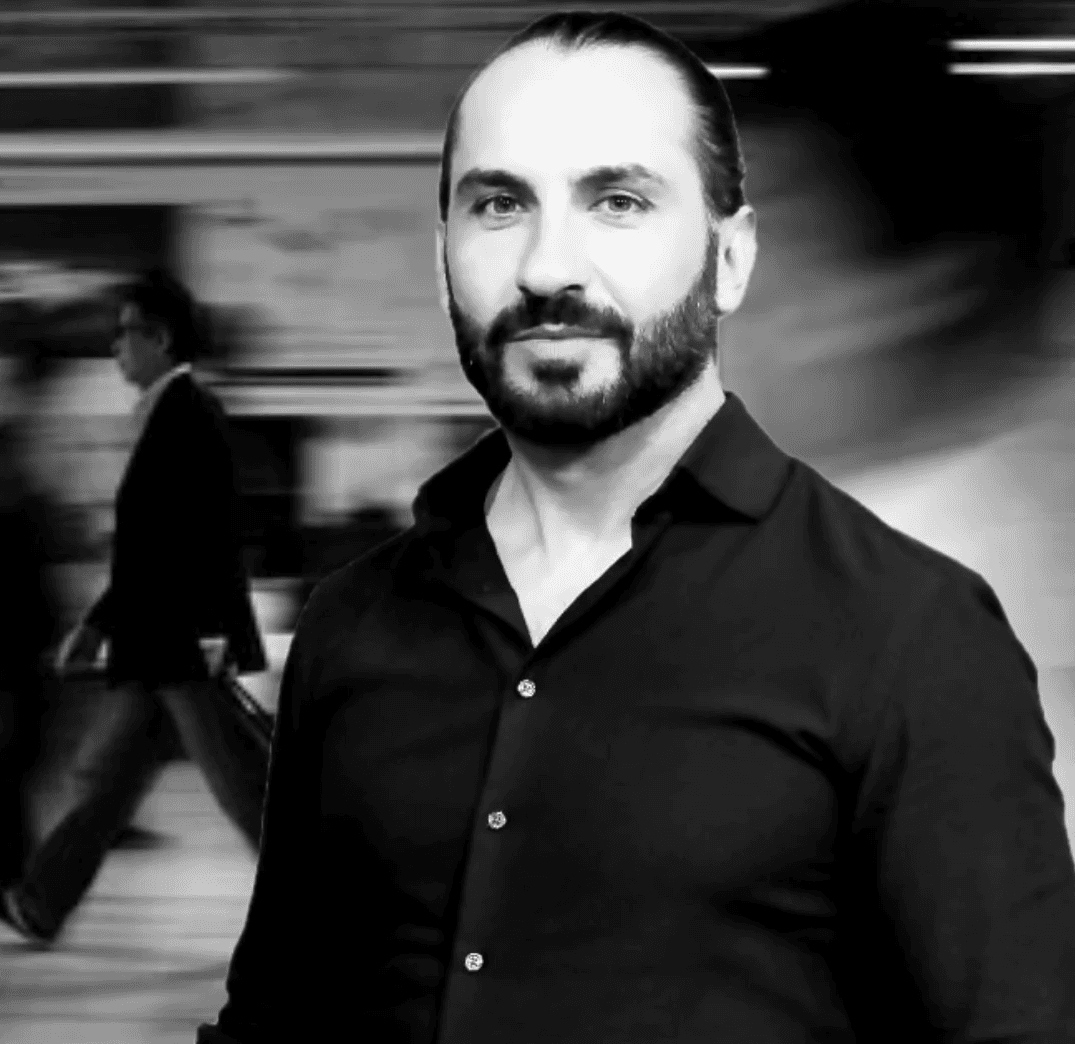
(627, 174)
(478, 179)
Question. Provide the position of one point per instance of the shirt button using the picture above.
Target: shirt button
(473, 962)
(497, 820)
(526, 688)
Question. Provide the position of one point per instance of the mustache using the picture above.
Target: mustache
(558, 310)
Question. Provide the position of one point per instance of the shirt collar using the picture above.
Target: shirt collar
(736, 462)
(732, 460)
(149, 398)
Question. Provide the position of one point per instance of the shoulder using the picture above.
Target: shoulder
(188, 404)
(338, 602)
(920, 624)
(847, 548)
(190, 392)
(871, 603)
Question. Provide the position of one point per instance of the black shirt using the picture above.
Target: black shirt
(782, 774)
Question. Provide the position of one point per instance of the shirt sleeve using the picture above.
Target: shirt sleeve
(264, 981)
(959, 827)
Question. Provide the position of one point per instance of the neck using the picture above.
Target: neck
(148, 382)
(593, 493)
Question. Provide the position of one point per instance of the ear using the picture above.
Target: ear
(164, 340)
(442, 275)
(737, 245)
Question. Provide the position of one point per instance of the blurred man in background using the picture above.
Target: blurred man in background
(644, 731)
(177, 613)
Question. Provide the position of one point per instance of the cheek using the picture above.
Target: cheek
(648, 272)
(483, 274)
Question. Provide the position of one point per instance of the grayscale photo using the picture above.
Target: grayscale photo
(537, 523)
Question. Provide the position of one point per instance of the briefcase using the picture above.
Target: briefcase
(243, 708)
(254, 720)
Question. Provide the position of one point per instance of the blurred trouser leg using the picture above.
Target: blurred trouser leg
(20, 722)
(235, 767)
(113, 765)
(12, 824)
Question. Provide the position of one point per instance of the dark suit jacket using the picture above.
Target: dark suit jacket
(177, 570)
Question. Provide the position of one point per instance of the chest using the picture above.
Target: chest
(650, 752)
(546, 585)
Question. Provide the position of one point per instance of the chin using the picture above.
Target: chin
(558, 419)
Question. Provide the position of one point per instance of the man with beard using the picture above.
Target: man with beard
(643, 732)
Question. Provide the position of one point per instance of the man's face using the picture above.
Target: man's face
(141, 348)
(579, 261)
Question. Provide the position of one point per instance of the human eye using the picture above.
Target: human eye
(495, 206)
(621, 204)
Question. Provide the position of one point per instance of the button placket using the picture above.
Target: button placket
(495, 820)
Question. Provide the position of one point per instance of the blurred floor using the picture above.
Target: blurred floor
(144, 959)
(145, 956)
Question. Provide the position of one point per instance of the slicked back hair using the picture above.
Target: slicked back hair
(163, 299)
(716, 146)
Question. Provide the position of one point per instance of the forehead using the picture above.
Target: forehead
(546, 112)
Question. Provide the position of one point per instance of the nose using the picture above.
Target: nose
(555, 260)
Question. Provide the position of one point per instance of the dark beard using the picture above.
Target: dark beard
(658, 362)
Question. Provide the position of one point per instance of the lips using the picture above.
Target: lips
(558, 333)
